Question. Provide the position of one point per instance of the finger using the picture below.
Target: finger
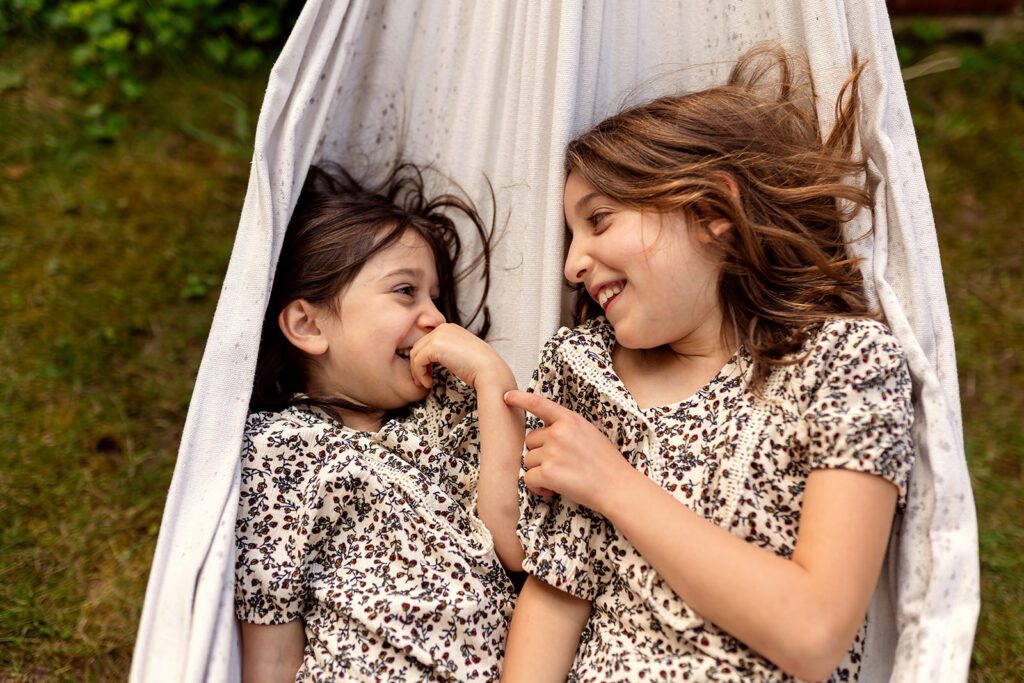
(532, 459)
(536, 438)
(420, 365)
(533, 480)
(546, 409)
(423, 343)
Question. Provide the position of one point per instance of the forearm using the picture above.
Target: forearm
(502, 430)
(272, 653)
(544, 634)
(796, 613)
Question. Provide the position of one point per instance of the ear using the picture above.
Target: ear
(717, 227)
(730, 182)
(300, 324)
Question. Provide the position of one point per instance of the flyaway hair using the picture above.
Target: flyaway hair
(786, 267)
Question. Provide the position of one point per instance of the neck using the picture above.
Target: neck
(369, 420)
(363, 422)
(713, 340)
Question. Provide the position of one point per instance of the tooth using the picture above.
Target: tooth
(607, 293)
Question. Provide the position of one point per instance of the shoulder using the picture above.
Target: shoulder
(299, 432)
(595, 333)
(290, 422)
(855, 357)
(855, 341)
(857, 332)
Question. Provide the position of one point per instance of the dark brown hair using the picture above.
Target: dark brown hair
(337, 226)
(786, 268)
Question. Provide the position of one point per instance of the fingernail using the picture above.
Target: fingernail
(505, 396)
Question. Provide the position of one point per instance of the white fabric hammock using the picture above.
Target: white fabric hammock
(498, 88)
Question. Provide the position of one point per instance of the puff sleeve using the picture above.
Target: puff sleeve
(273, 523)
(563, 542)
(860, 410)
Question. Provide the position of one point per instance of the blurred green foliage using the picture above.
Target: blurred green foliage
(111, 257)
(115, 46)
(969, 118)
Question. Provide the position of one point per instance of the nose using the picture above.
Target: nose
(431, 316)
(577, 261)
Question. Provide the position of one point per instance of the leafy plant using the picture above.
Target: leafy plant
(114, 45)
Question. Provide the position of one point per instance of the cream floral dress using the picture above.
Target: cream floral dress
(372, 540)
(739, 461)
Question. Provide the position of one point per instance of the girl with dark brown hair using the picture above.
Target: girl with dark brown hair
(379, 465)
(726, 436)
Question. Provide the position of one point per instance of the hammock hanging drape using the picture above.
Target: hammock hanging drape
(494, 90)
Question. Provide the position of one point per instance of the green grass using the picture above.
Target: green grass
(970, 124)
(111, 257)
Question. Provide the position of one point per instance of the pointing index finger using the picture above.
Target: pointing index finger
(544, 408)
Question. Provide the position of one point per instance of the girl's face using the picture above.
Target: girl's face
(386, 308)
(655, 278)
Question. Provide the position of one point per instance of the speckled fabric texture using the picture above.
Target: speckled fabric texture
(737, 460)
(494, 91)
(373, 541)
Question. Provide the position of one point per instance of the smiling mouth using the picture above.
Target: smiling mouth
(609, 292)
(402, 353)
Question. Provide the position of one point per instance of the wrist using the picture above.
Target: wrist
(496, 379)
(624, 489)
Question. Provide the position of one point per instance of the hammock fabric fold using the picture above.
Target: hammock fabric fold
(494, 90)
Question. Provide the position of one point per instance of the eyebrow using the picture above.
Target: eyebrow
(407, 272)
(586, 198)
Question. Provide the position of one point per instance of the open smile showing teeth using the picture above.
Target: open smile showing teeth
(608, 292)
(402, 353)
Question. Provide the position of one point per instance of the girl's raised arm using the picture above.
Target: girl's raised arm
(502, 427)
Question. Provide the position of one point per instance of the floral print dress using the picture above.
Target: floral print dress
(372, 540)
(737, 460)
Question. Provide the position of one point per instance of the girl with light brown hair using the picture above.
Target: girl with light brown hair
(726, 435)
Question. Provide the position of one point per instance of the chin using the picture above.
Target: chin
(629, 340)
(417, 395)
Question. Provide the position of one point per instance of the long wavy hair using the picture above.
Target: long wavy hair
(786, 267)
(337, 226)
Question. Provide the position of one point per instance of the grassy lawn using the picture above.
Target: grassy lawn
(111, 257)
(970, 125)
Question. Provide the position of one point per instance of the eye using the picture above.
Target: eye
(405, 290)
(598, 220)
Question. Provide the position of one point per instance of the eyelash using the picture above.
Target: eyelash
(597, 218)
(410, 291)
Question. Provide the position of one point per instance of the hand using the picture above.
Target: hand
(569, 455)
(468, 357)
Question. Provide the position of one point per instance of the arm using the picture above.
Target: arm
(544, 634)
(272, 653)
(501, 427)
(801, 614)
